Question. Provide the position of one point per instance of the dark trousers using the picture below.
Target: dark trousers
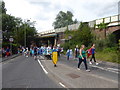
(67, 57)
(58, 53)
(93, 57)
(76, 55)
(80, 61)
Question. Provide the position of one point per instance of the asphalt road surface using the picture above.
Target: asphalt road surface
(22, 72)
(94, 70)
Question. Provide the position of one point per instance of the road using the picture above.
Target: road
(22, 72)
(96, 70)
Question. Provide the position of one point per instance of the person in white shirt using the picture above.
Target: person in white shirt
(76, 52)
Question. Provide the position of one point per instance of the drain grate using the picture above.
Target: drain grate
(73, 76)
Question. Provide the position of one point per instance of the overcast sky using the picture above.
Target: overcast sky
(45, 11)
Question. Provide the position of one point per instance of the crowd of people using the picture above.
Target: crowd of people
(79, 53)
(82, 55)
(6, 52)
(35, 51)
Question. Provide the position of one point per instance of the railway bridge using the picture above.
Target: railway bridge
(56, 36)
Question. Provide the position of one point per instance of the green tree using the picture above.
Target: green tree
(84, 35)
(2, 7)
(8, 22)
(16, 27)
(64, 19)
(25, 28)
(81, 36)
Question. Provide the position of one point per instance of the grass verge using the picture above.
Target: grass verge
(111, 56)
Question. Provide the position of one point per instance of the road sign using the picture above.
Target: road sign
(11, 39)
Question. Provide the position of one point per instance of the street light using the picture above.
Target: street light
(25, 39)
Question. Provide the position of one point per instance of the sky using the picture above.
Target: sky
(44, 11)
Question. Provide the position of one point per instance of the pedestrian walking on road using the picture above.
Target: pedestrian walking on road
(30, 51)
(68, 54)
(27, 52)
(55, 56)
(35, 52)
(3, 52)
(7, 52)
(82, 58)
(92, 50)
(76, 52)
(71, 54)
(23, 50)
(59, 50)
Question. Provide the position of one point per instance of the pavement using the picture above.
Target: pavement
(9, 57)
(23, 72)
(105, 75)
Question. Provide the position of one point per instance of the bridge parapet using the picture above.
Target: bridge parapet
(112, 20)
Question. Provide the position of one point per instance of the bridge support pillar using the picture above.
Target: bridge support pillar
(55, 41)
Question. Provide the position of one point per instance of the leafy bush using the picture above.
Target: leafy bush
(109, 42)
(81, 36)
(108, 54)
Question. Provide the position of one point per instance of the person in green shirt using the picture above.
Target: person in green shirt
(82, 58)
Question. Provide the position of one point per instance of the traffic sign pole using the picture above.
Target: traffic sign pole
(11, 40)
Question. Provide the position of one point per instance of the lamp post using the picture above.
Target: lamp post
(25, 26)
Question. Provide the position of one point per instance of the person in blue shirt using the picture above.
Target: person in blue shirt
(93, 54)
(41, 50)
(7, 52)
(54, 49)
(68, 53)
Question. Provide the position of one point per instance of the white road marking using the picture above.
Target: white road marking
(62, 85)
(42, 67)
(97, 67)
(107, 69)
(115, 69)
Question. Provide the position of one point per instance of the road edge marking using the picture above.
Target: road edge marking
(107, 69)
(42, 67)
(62, 85)
(115, 69)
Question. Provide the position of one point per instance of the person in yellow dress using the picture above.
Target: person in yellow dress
(55, 56)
